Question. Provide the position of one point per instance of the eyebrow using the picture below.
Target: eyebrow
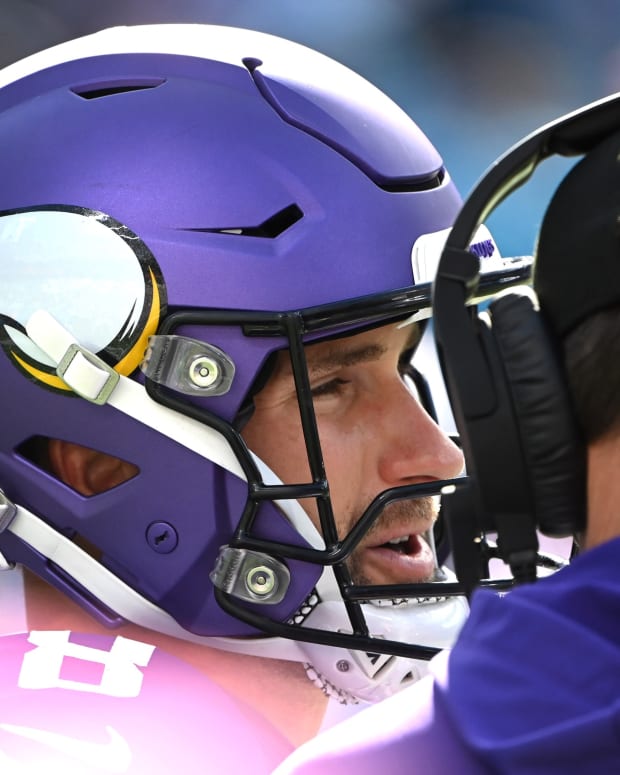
(345, 357)
(338, 358)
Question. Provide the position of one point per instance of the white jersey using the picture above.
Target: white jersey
(78, 703)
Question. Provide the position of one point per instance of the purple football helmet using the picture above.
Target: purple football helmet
(177, 203)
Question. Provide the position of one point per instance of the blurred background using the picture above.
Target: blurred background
(476, 75)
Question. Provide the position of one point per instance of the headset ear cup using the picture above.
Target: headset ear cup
(553, 451)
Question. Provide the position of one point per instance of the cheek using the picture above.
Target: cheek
(345, 457)
(278, 440)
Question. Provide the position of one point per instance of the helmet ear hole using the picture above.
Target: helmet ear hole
(85, 470)
(36, 450)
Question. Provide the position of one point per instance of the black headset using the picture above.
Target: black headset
(524, 455)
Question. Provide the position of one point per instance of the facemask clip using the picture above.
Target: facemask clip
(251, 576)
(188, 365)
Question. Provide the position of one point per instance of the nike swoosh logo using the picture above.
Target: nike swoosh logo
(113, 756)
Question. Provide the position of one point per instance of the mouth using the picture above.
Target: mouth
(400, 559)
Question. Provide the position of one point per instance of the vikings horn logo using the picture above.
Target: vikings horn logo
(91, 273)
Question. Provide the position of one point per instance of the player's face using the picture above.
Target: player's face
(374, 434)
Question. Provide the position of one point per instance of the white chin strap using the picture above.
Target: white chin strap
(345, 673)
(352, 675)
(114, 593)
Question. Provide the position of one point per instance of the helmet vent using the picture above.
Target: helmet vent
(271, 228)
(416, 184)
(92, 92)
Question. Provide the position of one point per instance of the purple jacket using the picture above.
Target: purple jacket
(532, 686)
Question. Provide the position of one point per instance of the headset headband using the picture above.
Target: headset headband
(496, 497)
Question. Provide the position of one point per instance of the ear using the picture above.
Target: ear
(86, 470)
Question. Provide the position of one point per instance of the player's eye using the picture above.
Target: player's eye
(331, 387)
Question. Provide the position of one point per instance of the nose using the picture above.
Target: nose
(414, 448)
